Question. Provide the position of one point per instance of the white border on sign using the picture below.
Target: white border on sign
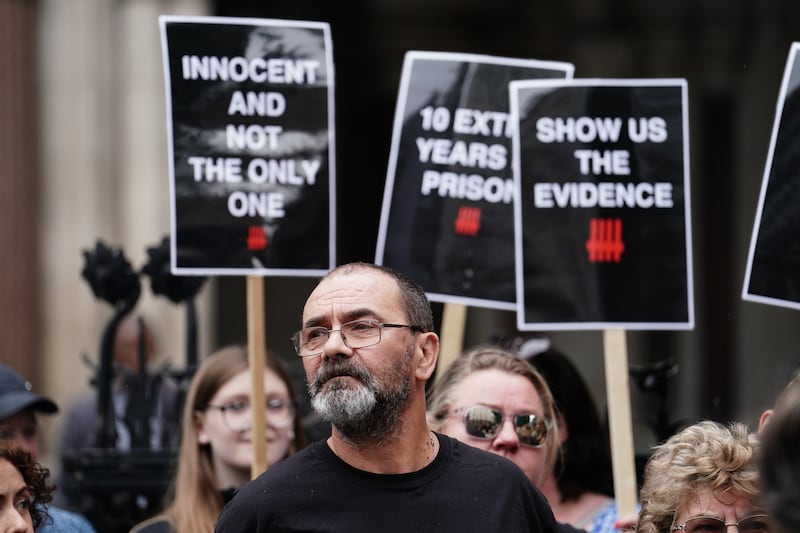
(787, 75)
(399, 118)
(514, 104)
(163, 20)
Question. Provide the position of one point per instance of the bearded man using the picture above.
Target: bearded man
(368, 349)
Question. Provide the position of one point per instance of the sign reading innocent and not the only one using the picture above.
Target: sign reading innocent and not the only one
(447, 216)
(251, 145)
(602, 221)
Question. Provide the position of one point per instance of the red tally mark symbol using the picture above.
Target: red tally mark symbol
(468, 221)
(605, 240)
(256, 238)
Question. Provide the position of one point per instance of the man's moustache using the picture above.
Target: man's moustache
(329, 371)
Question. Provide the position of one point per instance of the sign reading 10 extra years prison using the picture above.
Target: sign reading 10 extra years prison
(250, 125)
(602, 222)
(447, 219)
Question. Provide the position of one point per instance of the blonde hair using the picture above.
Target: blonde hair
(440, 398)
(196, 500)
(706, 455)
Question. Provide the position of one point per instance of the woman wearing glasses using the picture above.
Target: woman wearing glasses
(485, 389)
(216, 443)
(704, 480)
(492, 399)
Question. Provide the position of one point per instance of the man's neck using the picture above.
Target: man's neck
(407, 450)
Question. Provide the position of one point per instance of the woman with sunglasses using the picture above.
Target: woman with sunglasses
(491, 399)
(704, 480)
(216, 443)
(487, 387)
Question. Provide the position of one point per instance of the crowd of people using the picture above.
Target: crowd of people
(498, 441)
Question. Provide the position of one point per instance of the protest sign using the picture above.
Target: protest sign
(602, 219)
(251, 145)
(447, 214)
(772, 274)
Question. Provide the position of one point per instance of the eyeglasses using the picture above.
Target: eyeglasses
(757, 523)
(238, 415)
(485, 423)
(309, 342)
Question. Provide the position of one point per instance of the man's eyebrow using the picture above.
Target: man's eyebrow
(313, 322)
(359, 313)
(353, 314)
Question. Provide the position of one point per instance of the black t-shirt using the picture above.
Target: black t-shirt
(463, 489)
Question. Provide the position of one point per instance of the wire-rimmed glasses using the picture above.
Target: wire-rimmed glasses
(238, 415)
(757, 523)
(309, 342)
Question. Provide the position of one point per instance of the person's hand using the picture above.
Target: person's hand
(627, 523)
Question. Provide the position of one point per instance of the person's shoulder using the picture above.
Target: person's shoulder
(63, 521)
(464, 462)
(604, 518)
(157, 524)
(284, 470)
(464, 453)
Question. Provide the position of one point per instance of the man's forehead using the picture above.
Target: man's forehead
(363, 289)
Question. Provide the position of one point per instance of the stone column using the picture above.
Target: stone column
(19, 287)
(104, 175)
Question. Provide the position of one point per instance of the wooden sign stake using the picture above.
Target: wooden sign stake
(454, 318)
(256, 352)
(619, 417)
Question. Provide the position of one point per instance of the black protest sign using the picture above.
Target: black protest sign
(250, 126)
(447, 216)
(772, 275)
(602, 225)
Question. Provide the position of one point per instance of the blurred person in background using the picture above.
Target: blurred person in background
(786, 392)
(24, 491)
(134, 348)
(780, 460)
(704, 479)
(583, 470)
(18, 409)
(216, 449)
(145, 408)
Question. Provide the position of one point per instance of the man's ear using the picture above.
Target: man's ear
(762, 422)
(428, 343)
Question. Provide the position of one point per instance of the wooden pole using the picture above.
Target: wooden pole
(256, 351)
(454, 318)
(620, 425)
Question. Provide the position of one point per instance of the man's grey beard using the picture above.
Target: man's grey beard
(364, 410)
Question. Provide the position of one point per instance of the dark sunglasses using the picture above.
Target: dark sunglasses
(759, 523)
(484, 423)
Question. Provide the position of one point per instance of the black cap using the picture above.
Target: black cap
(16, 395)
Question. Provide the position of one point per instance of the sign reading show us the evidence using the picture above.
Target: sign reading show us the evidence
(602, 222)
